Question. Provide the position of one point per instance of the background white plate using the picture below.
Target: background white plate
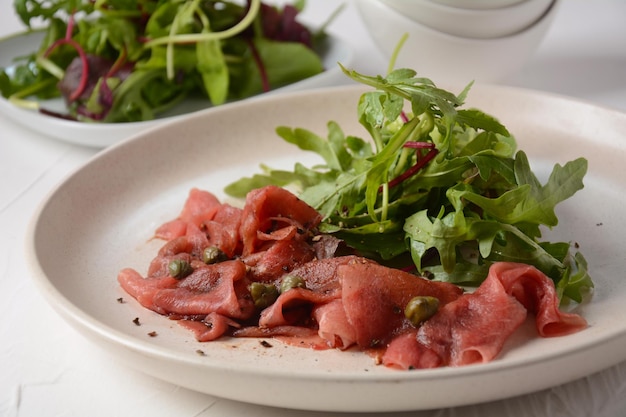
(102, 217)
(104, 134)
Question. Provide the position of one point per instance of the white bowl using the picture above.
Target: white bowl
(444, 57)
(478, 4)
(473, 23)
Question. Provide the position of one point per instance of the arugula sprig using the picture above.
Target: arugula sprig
(436, 186)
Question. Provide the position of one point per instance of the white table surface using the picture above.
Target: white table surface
(48, 369)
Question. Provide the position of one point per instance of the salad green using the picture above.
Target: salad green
(438, 188)
(129, 60)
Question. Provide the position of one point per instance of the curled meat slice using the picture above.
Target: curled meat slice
(212, 327)
(223, 230)
(291, 335)
(374, 298)
(292, 307)
(405, 352)
(536, 292)
(212, 288)
(474, 328)
(278, 258)
(263, 206)
(144, 289)
(334, 326)
(171, 230)
(200, 206)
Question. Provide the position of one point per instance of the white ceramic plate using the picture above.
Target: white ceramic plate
(101, 135)
(101, 219)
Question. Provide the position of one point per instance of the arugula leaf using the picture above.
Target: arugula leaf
(283, 62)
(576, 279)
(212, 67)
(529, 202)
(441, 233)
(477, 119)
(331, 150)
(28, 10)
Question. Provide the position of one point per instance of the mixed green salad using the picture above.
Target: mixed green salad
(129, 60)
(436, 188)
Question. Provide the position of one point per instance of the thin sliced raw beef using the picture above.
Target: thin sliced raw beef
(207, 290)
(405, 352)
(374, 298)
(266, 204)
(175, 246)
(292, 307)
(321, 274)
(199, 207)
(159, 267)
(537, 294)
(212, 327)
(298, 336)
(334, 326)
(278, 258)
(172, 229)
(223, 230)
(144, 289)
(474, 328)
(197, 239)
(318, 305)
(352, 300)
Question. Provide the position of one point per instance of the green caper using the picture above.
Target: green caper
(291, 281)
(421, 308)
(263, 295)
(213, 254)
(179, 268)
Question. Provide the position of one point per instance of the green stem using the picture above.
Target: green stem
(50, 66)
(402, 161)
(385, 202)
(396, 52)
(199, 37)
(378, 142)
(25, 104)
(31, 90)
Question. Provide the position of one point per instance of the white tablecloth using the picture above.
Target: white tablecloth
(47, 369)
